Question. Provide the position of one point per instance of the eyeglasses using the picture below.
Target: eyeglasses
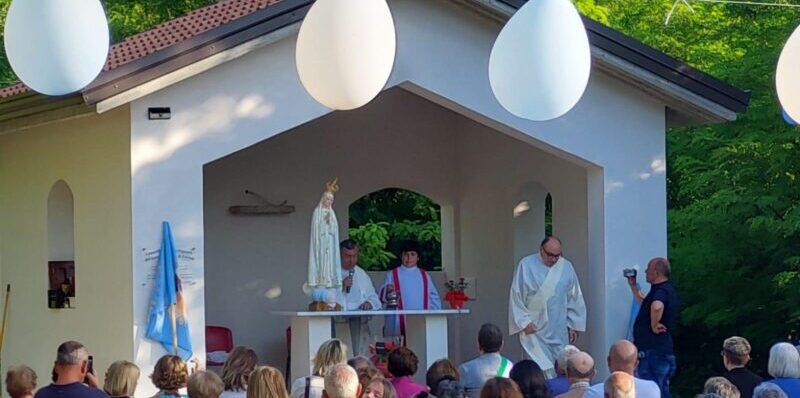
(551, 255)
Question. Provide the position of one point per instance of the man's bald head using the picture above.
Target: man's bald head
(620, 385)
(623, 357)
(580, 367)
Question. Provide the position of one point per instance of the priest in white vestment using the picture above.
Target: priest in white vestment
(546, 306)
(416, 287)
(359, 295)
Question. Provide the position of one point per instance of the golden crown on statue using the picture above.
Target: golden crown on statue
(332, 186)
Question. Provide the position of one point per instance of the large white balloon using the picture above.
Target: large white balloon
(539, 65)
(56, 46)
(345, 51)
(787, 76)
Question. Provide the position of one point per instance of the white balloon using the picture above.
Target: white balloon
(56, 46)
(787, 76)
(540, 63)
(345, 51)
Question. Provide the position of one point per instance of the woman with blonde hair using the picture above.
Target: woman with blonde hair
(20, 382)
(266, 382)
(121, 378)
(331, 352)
(236, 371)
(170, 375)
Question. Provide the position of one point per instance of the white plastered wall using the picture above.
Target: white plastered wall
(616, 131)
(91, 156)
(400, 140)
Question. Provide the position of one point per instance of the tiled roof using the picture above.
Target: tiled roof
(168, 33)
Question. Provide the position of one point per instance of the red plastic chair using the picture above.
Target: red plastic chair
(218, 338)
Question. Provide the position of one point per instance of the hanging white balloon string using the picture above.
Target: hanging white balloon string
(741, 2)
(674, 6)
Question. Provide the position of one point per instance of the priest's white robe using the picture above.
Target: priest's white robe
(411, 294)
(355, 332)
(551, 305)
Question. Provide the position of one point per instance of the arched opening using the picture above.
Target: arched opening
(382, 220)
(548, 215)
(61, 246)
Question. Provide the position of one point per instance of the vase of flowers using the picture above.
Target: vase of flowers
(455, 293)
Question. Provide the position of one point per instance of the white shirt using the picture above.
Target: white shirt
(361, 290)
(233, 394)
(644, 389)
(316, 385)
(411, 294)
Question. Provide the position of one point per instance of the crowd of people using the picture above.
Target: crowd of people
(336, 375)
(546, 312)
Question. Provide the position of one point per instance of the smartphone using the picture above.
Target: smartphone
(89, 369)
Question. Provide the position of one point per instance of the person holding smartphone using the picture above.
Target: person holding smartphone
(73, 375)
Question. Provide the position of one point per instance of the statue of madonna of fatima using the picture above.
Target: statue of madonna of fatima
(324, 261)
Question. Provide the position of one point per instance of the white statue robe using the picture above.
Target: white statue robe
(412, 295)
(355, 332)
(324, 261)
(551, 299)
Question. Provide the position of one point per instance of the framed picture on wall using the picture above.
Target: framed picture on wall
(62, 277)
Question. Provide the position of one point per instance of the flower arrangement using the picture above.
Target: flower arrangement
(455, 292)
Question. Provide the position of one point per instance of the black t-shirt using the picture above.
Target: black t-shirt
(745, 380)
(72, 390)
(643, 335)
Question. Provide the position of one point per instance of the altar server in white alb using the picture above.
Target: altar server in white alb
(546, 305)
(359, 295)
(417, 290)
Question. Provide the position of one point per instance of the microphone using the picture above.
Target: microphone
(349, 274)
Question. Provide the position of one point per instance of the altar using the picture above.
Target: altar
(426, 335)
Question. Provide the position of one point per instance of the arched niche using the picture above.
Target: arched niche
(61, 246)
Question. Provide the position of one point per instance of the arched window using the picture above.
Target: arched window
(382, 220)
(61, 246)
(548, 215)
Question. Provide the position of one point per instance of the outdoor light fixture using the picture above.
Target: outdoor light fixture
(539, 65)
(56, 47)
(787, 78)
(345, 51)
(159, 113)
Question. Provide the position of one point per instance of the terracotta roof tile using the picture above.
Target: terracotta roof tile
(168, 33)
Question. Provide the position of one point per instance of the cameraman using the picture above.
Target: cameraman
(656, 320)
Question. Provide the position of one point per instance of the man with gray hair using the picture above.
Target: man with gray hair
(560, 384)
(70, 370)
(341, 381)
(768, 390)
(580, 372)
(619, 385)
(735, 356)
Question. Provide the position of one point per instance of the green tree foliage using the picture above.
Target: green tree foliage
(382, 220)
(733, 194)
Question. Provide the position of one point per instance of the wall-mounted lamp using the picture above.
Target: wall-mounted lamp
(159, 113)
